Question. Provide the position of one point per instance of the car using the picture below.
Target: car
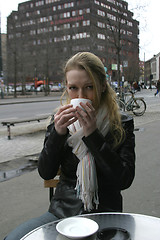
(56, 88)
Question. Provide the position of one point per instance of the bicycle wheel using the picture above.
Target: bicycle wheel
(121, 105)
(138, 107)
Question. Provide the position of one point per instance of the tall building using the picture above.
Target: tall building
(42, 34)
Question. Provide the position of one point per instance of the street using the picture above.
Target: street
(27, 110)
(25, 197)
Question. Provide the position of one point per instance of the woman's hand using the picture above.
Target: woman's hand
(87, 118)
(63, 118)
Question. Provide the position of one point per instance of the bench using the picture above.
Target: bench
(51, 184)
(13, 122)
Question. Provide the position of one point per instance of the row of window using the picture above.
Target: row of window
(68, 26)
(63, 38)
(41, 3)
(113, 28)
(114, 18)
(62, 6)
(111, 1)
(58, 27)
(50, 18)
(84, 47)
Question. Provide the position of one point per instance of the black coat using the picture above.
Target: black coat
(115, 169)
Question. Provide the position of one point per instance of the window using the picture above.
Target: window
(66, 26)
(75, 24)
(96, 2)
(88, 10)
(39, 3)
(129, 23)
(86, 23)
(100, 48)
(101, 25)
(129, 33)
(101, 13)
(65, 15)
(73, 13)
(112, 17)
(81, 48)
(123, 31)
(62, 38)
(111, 1)
(80, 12)
(32, 32)
(68, 5)
(59, 7)
(51, 1)
(123, 21)
(105, 6)
(10, 36)
(101, 36)
(114, 10)
(80, 35)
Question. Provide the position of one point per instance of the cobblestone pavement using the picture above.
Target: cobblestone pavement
(23, 144)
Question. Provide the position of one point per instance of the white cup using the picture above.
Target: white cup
(76, 102)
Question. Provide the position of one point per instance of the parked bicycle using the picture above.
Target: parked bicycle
(135, 104)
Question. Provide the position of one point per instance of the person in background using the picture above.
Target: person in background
(158, 87)
(2, 88)
(93, 147)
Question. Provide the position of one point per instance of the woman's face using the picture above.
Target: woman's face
(79, 85)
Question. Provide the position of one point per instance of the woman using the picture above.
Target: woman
(93, 147)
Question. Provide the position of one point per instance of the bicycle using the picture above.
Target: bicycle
(135, 104)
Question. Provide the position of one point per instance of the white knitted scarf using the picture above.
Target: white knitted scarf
(87, 187)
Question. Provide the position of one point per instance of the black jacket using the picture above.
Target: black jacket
(115, 169)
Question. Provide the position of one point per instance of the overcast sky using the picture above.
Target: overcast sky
(148, 18)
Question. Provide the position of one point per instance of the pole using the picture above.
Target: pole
(144, 72)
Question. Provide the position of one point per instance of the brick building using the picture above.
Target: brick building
(42, 34)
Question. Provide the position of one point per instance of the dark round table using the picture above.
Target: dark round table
(131, 227)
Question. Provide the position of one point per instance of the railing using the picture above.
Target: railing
(14, 122)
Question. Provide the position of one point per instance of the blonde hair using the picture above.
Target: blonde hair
(94, 67)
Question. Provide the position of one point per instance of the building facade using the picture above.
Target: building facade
(152, 70)
(43, 34)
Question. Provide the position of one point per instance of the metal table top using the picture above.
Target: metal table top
(139, 227)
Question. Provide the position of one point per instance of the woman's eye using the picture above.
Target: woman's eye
(90, 87)
(72, 88)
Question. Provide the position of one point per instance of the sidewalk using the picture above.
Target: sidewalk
(30, 98)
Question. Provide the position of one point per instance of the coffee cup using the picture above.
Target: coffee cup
(76, 102)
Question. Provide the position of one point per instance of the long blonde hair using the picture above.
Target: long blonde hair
(94, 67)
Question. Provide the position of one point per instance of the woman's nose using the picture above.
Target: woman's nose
(81, 93)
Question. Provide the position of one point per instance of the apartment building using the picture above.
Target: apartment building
(152, 70)
(43, 34)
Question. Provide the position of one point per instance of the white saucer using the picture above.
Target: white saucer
(77, 227)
